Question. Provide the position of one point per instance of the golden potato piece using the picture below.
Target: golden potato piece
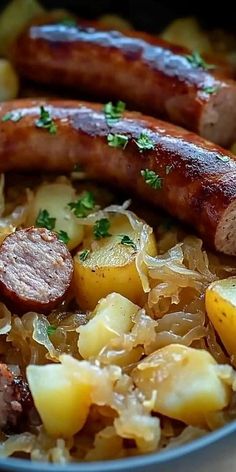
(112, 317)
(9, 82)
(187, 32)
(62, 401)
(186, 382)
(221, 309)
(55, 198)
(110, 266)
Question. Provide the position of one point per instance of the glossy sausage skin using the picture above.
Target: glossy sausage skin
(35, 270)
(198, 177)
(148, 73)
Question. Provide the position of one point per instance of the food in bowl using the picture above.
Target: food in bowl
(117, 323)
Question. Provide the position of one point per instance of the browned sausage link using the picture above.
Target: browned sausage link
(35, 270)
(150, 74)
(198, 177)
(15, 400)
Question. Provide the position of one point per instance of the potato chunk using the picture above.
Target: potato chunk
(186, 381)
(62, 401)
(221, 309)
(55, 198)
(110, 266)
(9, 82)
(112, 317)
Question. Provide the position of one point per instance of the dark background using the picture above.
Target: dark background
(153, 15)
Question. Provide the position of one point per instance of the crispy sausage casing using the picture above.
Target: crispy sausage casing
(148, 73)
(198, 178)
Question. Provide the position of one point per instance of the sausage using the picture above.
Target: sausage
(15, 400)
(148, 73)
(35, 270)
(198, 178)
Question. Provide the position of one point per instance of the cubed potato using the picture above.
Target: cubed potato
(221, 309)
(62, 401)
(14, 19)
(110, 266)
(188, 33)
(112, 317)
(186, 381)
(9, 82)
(110, 21)
(55, 198)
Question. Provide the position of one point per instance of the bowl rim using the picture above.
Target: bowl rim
(116, 465)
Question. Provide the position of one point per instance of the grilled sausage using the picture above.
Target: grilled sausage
(15, 399)
(198, 178)
(149, 73)
(35, 270)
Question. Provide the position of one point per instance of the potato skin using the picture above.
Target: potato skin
(110, 268)
(221, 309)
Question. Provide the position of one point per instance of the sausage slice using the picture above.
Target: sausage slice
(35, 270)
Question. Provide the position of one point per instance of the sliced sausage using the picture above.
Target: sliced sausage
(149, 73)
(198, 178)
(15, 399)
(35, 270)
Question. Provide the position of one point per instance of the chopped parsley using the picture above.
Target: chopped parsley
(223, 158)
(144, 142)
(101, 228)
(68, 22)
(82, 207)
(210, 90)
(127, 241)
(44, 220)
(84, 255)
(117, 140)
(152, 179)
(45, 121)
(196, 60)
(169, 169)
(51, 330)
(63, 236)
(12, 116)
(113, 113)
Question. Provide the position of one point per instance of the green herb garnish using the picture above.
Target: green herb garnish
(223, 158)
(127, 241)
(152, 179)
(12, 116)
(82, 207)
(196, 60)
(169, 169)
(101, 228)
(210, 90)
(113, 113)
(68, 22)
(45, 121)
(51, 330)
(144, 142)
(44, 220)
(117, 140)
(84, 254)
(63, 236)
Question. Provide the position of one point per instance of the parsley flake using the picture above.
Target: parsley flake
(127, 241)
(82, 207)
(152, 179)
(223, 158)
(45, 121)
(63, 236)
(84, 255)
(117, 140)
(113, 113)
(51, 329)
(196, 60)
(68, 22)
(44, 220)
(12, 116)
(210, 90)
(144, 142)
(101, 228)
